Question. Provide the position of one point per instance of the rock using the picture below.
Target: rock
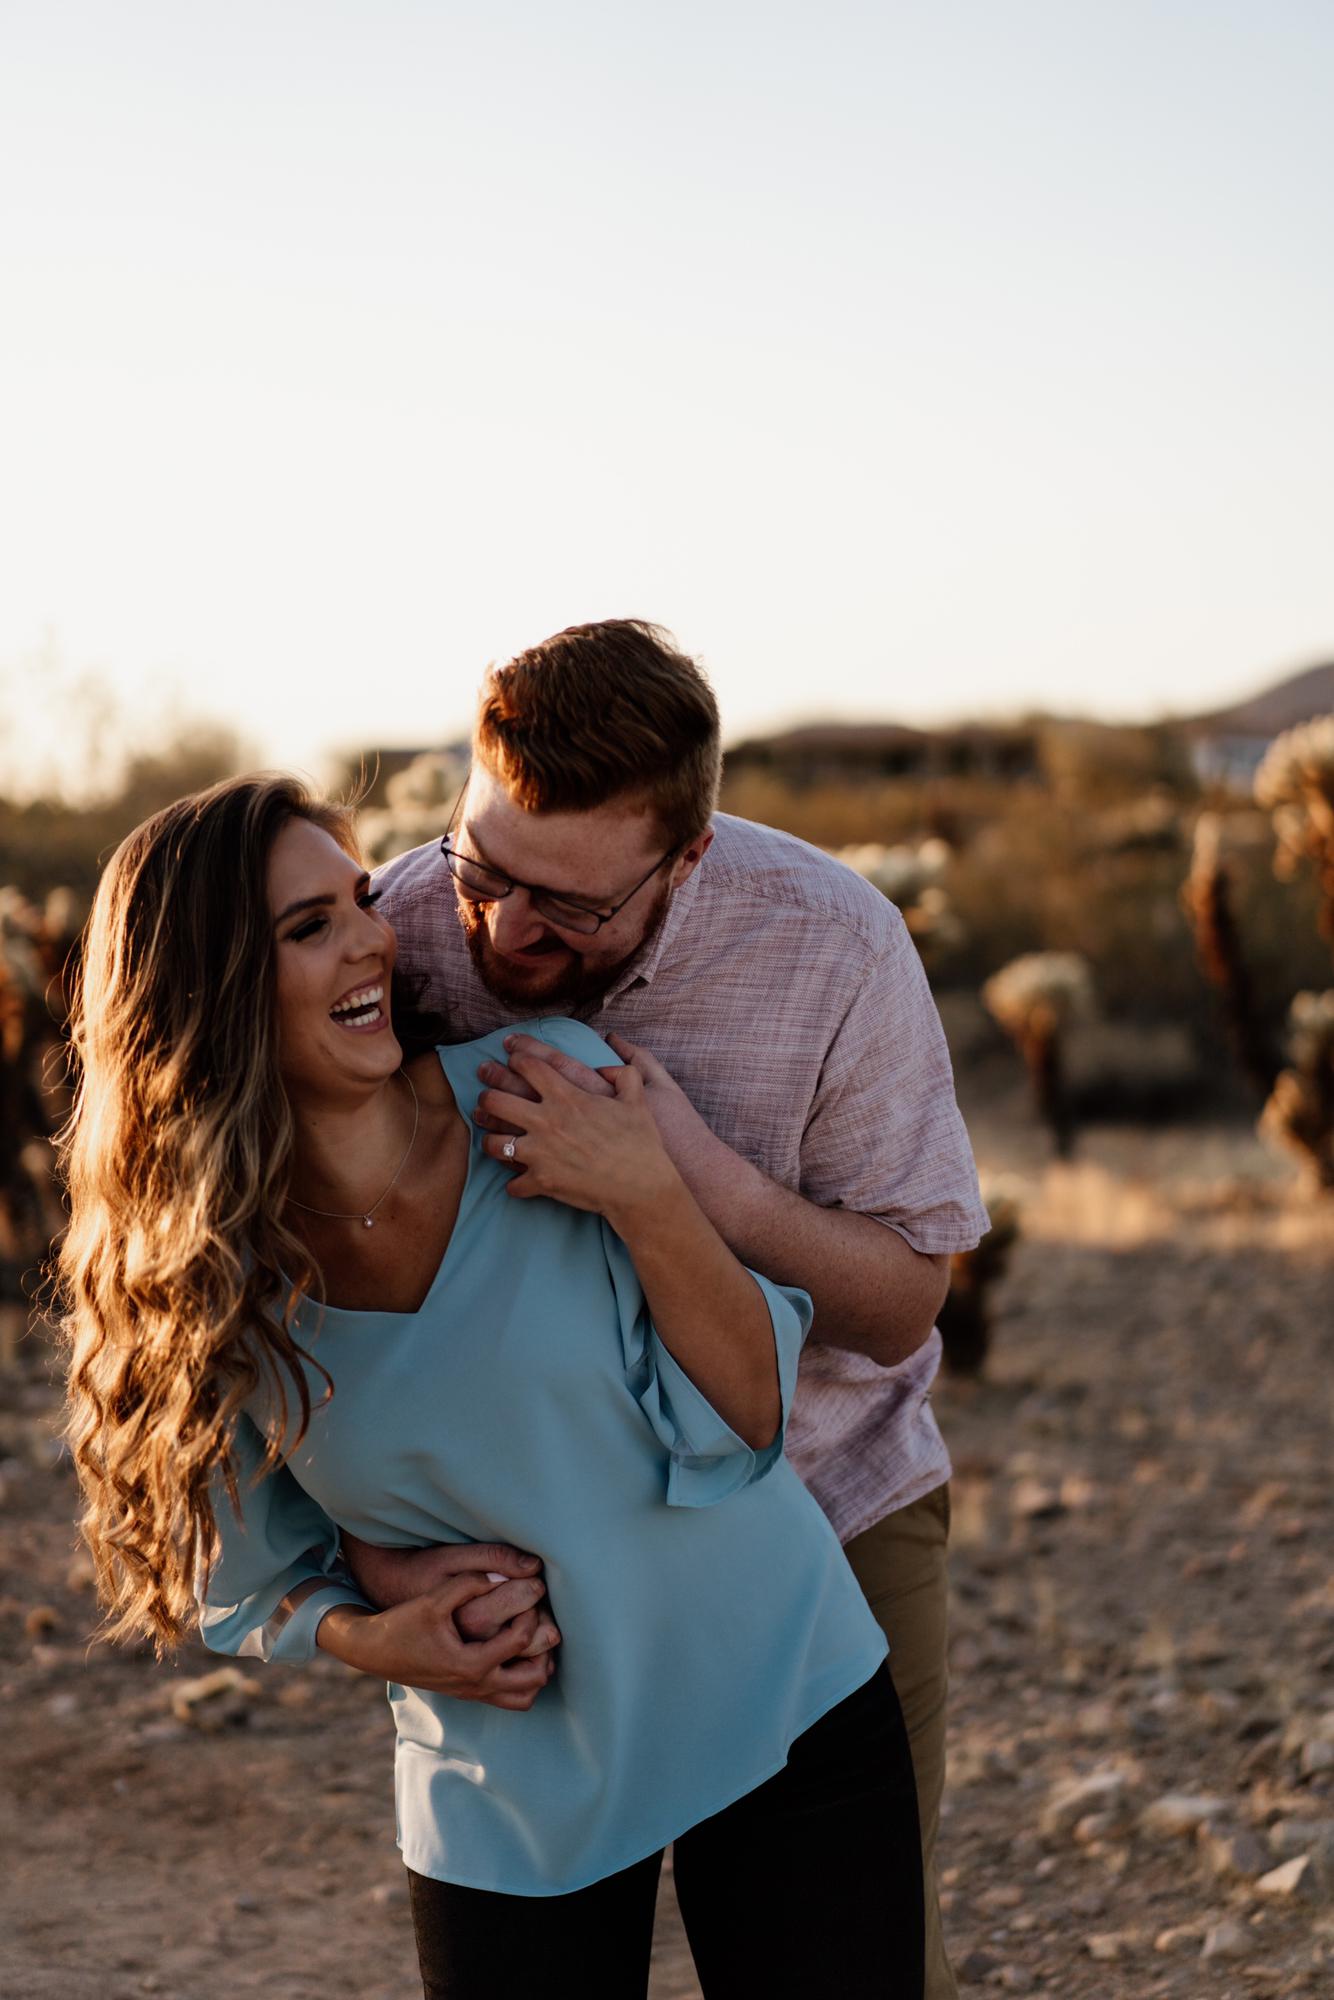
(1075, 1798)
(1176, 1814)
(81, 1573)
(1240, 1854)
(1093, 1828)
(978, 1965)
(1287, 1880)
(1227, 1939)
(1015, 1979)
(1030, 1500)
(1108, 1946)
(388, 1895)
(1003, 1896)
(1317, 1755)
(213, 1700)
(1290, 1837)
(42, 1619)
(1178, 1935)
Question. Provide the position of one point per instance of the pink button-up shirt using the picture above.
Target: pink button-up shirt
(787, 999)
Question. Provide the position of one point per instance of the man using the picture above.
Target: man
(778, 1013)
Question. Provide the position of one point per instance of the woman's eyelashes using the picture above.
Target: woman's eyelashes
(314, 925)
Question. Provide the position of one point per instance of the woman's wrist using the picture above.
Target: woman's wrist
(653, 1209)
(346, 1631)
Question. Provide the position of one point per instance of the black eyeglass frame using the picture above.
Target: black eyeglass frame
(540, 894)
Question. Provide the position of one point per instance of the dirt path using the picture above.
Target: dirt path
(1144, 1608)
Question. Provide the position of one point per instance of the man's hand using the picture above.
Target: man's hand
(874, 1293)
(419, 1645)
(694, 1150)
(511, 1590)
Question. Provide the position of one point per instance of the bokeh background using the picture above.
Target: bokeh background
(954, 383)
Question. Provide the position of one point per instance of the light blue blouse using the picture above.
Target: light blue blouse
(706, 1610)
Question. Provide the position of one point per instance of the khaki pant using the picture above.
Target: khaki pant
(900, 1565)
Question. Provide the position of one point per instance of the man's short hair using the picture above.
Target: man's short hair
(604, 713)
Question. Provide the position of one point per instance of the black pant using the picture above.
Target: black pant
(809, 1886)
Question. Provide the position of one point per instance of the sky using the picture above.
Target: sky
(907, 361)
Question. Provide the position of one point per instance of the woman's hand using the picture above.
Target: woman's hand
(598, 1153)
(419, 1645)
(392, 1576)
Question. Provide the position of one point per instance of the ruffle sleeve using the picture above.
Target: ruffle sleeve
(707, 1461)
(259, 1602)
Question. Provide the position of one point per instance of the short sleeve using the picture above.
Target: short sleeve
(706, 1460)
(884, 1136)
(282, 1541)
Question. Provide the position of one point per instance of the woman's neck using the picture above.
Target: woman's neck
(347, 1149)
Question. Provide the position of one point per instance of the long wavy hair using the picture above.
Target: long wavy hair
(177, 1278)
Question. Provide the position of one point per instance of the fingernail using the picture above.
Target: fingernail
(529, 1562)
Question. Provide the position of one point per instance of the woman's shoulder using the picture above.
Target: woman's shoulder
(573, 1038)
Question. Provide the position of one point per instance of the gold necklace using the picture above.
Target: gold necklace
(365, 1216)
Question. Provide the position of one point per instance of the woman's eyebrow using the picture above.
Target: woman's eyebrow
(306, 903)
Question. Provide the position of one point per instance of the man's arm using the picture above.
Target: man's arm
(873, 1293)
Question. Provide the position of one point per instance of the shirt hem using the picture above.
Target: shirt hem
(930, 1482)
(750, 1784)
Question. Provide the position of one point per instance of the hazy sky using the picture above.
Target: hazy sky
(906, 360)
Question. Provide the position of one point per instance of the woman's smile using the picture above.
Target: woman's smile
(361, 1010)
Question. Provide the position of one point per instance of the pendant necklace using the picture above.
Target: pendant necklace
(366, 1216)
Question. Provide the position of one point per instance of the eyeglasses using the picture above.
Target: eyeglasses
(483, 884)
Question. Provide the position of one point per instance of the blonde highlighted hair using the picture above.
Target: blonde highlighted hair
(177, 1276)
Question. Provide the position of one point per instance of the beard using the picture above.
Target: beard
(554, 978)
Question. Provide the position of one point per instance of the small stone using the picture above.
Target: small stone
(1105, 1946)
(388, 1895)
(1287, 1879)
(1015, 1979)
(1003, 1896)
(213, 1700)
(41, 1620)
(1241, 1855)
(1177, 1935)
(82, 1571)
(1317, 1755)
(1073, 1800)
(978, 1965)
(1227, 1939)
(1093, 1828)
(1179, 1813)
(1032, 1501)
(1290, 1837)
(247, 1904)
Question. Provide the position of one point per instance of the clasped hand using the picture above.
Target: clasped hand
(589, 1140)
(448, 1626)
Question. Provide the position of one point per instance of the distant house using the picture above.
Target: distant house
(1226, 746)
(835, 752)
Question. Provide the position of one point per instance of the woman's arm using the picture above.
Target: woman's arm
(604, 1155)
(275, 1591)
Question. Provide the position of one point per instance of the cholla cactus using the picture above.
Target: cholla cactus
(1300, 1111)
(418, 799)
(912, 877)
(965, 1317)
(1295, 783)
(1206, 898)
(1035, 998)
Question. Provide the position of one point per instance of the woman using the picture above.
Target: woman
(591, 1376)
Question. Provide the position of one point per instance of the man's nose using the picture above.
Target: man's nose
(512, 923)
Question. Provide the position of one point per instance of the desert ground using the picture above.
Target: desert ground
(1141, 1798)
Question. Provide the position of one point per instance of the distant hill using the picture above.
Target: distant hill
(1282, 706)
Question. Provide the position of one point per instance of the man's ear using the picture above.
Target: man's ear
(688, 860)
